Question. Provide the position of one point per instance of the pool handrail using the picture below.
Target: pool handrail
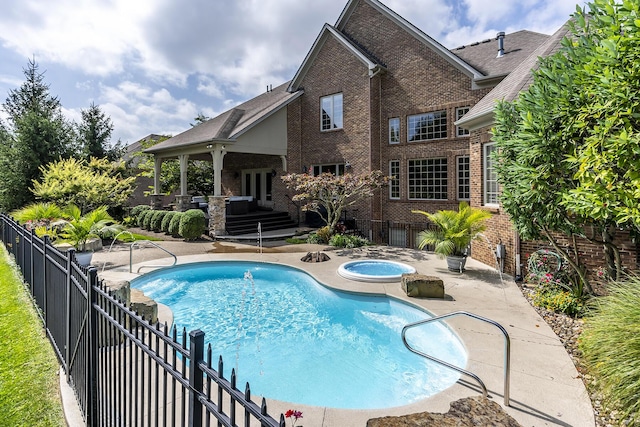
(136, 243)
(507, 349)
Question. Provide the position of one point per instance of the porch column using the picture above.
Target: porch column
(156, 197)
(184, 163)
(157, 168)
(217, 154)
(217, 207)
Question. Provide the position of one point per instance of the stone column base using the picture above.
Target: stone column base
(156, 201)
(217, 216)
(183, 203)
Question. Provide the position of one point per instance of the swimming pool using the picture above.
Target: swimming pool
(374, 270)
(295, 340)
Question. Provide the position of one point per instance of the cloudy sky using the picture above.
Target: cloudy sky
(153, 65)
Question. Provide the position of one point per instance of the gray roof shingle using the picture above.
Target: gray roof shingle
(483, 55)
(517, 81)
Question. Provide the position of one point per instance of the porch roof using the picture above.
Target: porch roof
(228, 126)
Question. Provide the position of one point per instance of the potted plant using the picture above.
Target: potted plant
(79, 229)
(454, 232)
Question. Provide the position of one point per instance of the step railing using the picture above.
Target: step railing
(507, 350)
(138, 244)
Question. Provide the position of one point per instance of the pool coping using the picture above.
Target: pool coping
(545, 387)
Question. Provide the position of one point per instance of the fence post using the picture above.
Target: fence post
(92, 344)
(67, 316)
(196, 382)
(45, 279)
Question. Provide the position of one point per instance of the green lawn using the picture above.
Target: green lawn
(29, 384)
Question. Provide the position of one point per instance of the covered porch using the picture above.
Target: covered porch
(247, 147)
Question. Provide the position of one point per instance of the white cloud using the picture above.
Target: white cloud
(153, 65)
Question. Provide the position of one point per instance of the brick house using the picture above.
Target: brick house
(374, 92)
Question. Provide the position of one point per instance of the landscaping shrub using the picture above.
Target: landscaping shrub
(140, 214)
(174, 224)
(610, 343)
(137, 210)
(555, 288)
(321, 236)
(146, 219)
(156, 221)
(192, 224)
(166, 220)
(347, 241)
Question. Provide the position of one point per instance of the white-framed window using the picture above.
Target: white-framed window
(427, 179)
(331, 112)
(460, 112)
(424, 127)
(335, 169)
(394, 183)
(491, 189)
(463, 173)
(394, 130)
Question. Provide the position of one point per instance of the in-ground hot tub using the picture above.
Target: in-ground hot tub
(373, 270)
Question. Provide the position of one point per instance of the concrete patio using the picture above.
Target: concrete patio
(545, 389)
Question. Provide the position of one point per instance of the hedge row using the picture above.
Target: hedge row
(190, 224)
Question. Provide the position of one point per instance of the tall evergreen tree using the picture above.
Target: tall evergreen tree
(35, 135)
(94, 134)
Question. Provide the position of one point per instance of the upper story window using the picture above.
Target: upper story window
(423, 127)
(394, 183)
(335, 169)
(490, 177)
(428, 179)
(331, 112)
(460, 112)
(394, 130)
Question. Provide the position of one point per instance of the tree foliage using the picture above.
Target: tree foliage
(35, 135)
(199, 172)
(94, 135)
(333, 193)
(85, 184)
(568, 154)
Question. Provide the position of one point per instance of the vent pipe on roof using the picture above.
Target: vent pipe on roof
(500, 38)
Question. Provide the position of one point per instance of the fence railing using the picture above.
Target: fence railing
(392, 233)
(123, 370)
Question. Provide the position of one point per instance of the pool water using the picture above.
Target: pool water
(295, 340)
(374, 270)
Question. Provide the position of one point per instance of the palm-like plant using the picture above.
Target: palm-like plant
(37, 213)
(80, 228)
(454, 229)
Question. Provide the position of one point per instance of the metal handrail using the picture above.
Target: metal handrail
(175, 258)
(507, 350)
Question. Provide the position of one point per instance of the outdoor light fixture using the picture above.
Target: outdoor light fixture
(210, 146)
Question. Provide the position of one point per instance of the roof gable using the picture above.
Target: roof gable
(407, 26)
(371, 63)
(232, 123)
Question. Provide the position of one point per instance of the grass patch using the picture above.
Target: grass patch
(29, 383)
(132, 237)
(295, 240)
(610, 343)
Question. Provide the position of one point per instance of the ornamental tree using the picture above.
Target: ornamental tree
(333, 193)
(88, 185)
(568, 154)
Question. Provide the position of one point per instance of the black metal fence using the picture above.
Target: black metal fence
(123, 370)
